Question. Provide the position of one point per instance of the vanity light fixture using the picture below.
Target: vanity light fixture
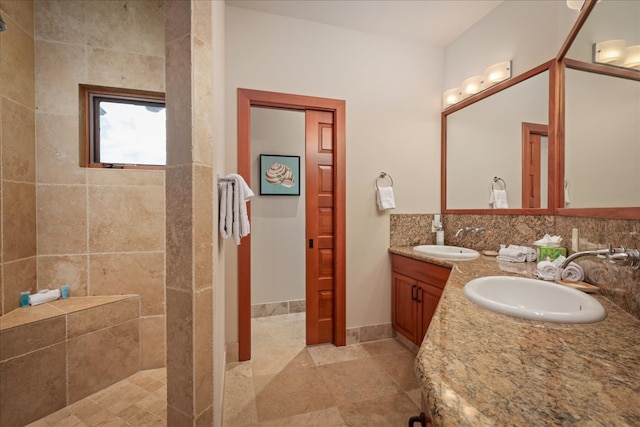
(491, 76)
(471, 86)
(450, 97)
(610, 52)
(496, 73)
(632, 60)
(575, 4)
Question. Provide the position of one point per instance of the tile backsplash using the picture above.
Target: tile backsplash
(618, 283)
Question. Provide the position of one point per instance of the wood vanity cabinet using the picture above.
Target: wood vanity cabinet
(416, 289)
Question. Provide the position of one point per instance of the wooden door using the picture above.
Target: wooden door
(336, 108)
(404, 306)
(320, 229)
(531, 163)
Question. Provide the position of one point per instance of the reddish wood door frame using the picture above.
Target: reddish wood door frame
(246, 99)
(532, 134)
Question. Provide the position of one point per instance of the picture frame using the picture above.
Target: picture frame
(279, 175)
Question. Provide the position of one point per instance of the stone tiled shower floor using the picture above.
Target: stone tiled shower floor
(285, 384)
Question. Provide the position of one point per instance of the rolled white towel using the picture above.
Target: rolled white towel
(573, 272)
(546, 270)
(43, 296)
(513, 253)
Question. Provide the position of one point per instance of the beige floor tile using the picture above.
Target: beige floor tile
(328, 353)
(400, 367)
(291, 392)
(325, 418)
(376, 348)
(240, 397)
(357, 380)
(390, 410)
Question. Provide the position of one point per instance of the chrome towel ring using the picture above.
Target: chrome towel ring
(384, 176)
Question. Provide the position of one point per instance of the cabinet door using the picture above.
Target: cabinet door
(404, 307)
(428, 297)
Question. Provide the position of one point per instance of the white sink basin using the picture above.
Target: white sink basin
(534, 299)
(447, 252)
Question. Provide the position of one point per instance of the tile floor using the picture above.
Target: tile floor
(285, 384)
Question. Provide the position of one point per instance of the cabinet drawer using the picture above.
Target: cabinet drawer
(432, 274)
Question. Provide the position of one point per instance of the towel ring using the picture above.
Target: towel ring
(384, 175)
(499, 181)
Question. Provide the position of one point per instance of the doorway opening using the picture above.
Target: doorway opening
(324, 181)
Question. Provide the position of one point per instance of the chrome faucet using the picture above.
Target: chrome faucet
(620, 256)
(469, 228)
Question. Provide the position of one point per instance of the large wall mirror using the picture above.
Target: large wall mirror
(499, 140)
(600, 175)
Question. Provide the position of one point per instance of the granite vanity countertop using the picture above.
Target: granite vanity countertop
(481, 368)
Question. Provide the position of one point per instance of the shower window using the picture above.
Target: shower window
(124, 128)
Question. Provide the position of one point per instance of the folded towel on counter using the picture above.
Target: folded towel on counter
(385, 199)
(548, 270)
(498, 199)
(513, 253)
(44, 296)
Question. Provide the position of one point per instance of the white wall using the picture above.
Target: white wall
(527, 32)
(277, 222)
(392, 91)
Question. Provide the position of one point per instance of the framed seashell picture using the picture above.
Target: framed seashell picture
(279, 175)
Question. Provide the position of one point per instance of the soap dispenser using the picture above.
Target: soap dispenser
(439, 230)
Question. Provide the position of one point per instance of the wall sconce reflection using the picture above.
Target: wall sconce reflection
(491, 76)
(616, 52)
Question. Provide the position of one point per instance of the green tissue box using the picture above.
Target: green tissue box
(551, 253)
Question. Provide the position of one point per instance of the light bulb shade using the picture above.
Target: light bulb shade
(450, 97)
(632, 59)
(471, 86)
(610, 52)
(575, 4)
(496, 73)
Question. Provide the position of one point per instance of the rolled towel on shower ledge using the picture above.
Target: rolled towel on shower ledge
(44, 296)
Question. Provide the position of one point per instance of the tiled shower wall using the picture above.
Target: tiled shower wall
(102, 231)
(17, 155)
(618, 283)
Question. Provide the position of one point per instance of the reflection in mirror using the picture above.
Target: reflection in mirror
(602, 140)
(602, 118)
(485, 140)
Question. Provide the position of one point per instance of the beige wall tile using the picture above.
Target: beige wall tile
(177, 418)
(56, 270)
(19, 276)
(44, 386)
(180, 369)
(99, 359)
(202, 106)
(60, 21)
(203, 226)
(179, 107)
(125, 70)
(179, 252)
(146, 177)
(180, 13)
(152, 342)
(31, 336)
(126, 218)
(121, 26)
(17, 58)
(58, 149)
(18, 142)
(86, 321)
(206, 418)
(62, 219)
(18, 220)
(21, 12)
(60, 67)
(203, 340)
(130, 273)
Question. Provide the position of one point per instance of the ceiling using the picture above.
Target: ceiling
(434, 23)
